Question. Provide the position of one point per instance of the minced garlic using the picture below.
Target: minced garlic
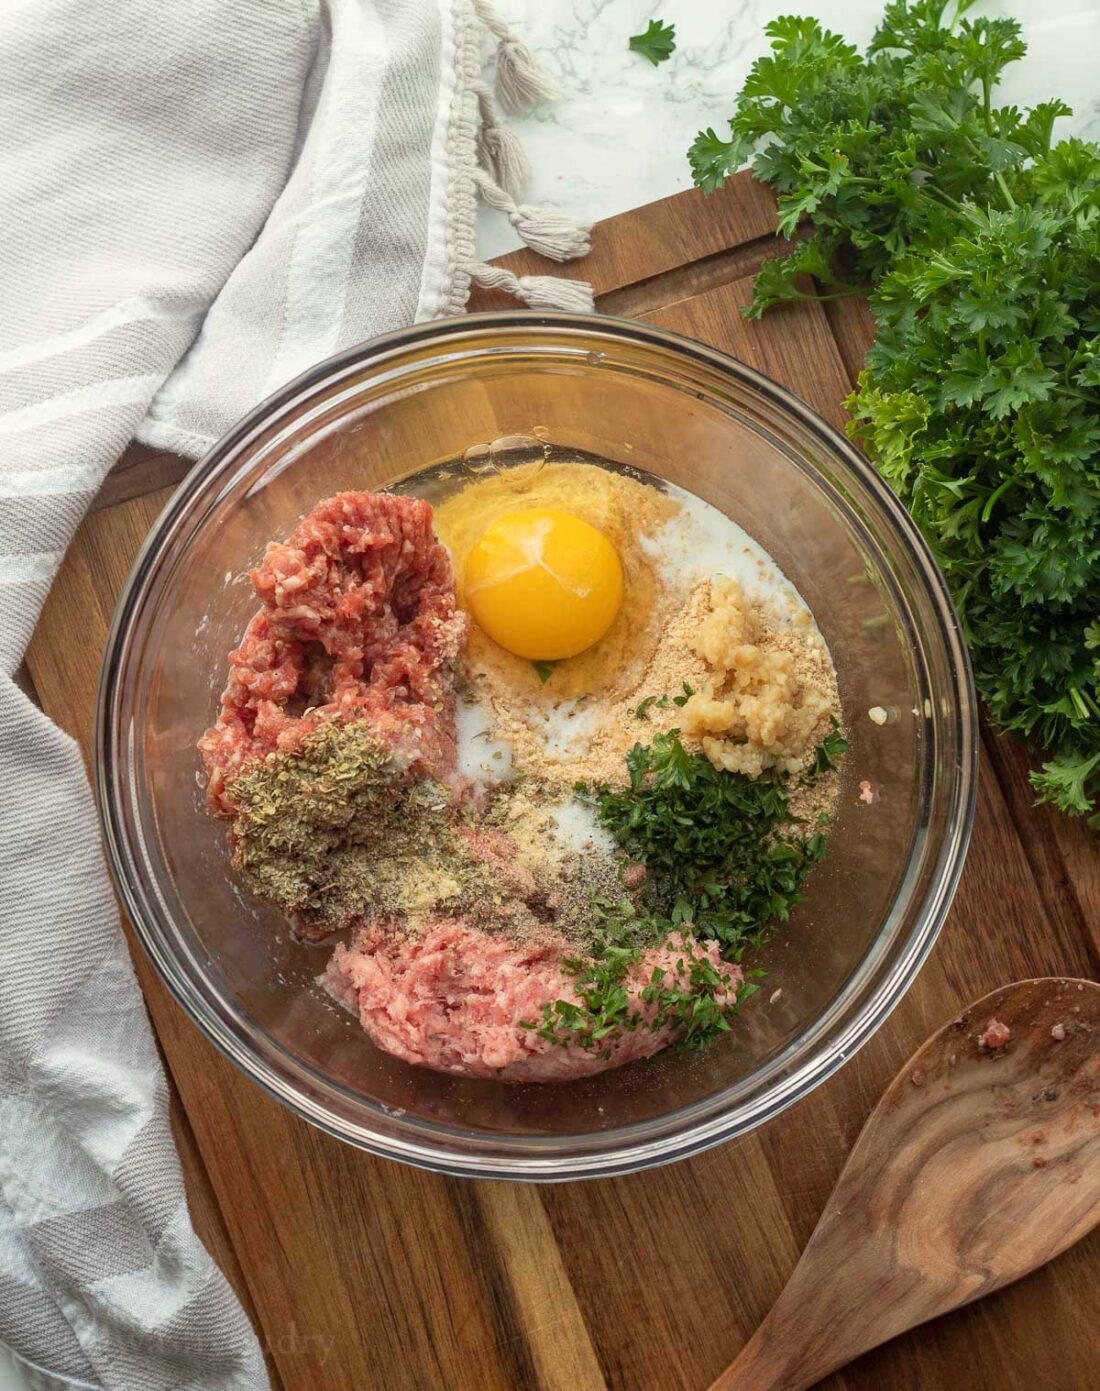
(769, 689)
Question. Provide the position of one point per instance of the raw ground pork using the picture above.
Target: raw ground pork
(358, 622)
(453, 999)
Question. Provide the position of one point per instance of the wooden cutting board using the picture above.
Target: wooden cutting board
(360, 1273)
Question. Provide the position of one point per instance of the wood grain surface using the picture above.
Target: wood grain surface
(980, 1163)
(360, 1273)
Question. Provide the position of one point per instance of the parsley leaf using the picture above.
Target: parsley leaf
(544, 670)
(829, 752)
(657, 43)
(711, 159)
(1063, 782)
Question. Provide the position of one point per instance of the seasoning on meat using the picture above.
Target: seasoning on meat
(358, 622)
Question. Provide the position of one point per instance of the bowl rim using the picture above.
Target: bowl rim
(862, 1020)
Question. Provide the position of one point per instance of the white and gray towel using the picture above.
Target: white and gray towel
(197, 201)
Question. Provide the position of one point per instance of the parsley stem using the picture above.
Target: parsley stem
(995, 495)
(846, 293)
(1005, 190)
(931, 191)
(1078, 702)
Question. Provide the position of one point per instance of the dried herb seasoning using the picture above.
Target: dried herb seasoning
(311, 824)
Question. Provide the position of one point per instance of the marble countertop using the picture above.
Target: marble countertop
(618, 136)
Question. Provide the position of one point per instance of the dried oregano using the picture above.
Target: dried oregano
(310, 824)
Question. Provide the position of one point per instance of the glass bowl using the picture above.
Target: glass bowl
(635, 396)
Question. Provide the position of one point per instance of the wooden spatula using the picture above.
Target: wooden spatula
(981, 1162)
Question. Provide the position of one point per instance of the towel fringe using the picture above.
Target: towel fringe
(536, 291)
(501, 170)
(500, 151)
(521, 83)
(544, 230)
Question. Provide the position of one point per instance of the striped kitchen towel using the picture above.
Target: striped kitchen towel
(197, 201)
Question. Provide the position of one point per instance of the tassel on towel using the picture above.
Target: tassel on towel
(545, 230)
(499, 150)
(537, 291)
(521, 83)
(503, 170)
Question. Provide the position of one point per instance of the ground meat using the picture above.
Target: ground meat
(454, 999)
(994, 1035)
(358, 622)
(498, 853)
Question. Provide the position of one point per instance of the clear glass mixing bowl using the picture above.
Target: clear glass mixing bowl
(632, 395)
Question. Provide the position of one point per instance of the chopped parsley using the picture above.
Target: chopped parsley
(652, 702)
(710, 841)
(684, 997)
(544, 670)
(829, 752)
(724, 861)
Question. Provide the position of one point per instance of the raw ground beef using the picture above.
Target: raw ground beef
(453, 999)
(358, 622)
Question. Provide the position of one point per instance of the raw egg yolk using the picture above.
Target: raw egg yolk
(543, 583)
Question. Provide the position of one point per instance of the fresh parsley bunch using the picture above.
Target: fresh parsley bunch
(978, 241)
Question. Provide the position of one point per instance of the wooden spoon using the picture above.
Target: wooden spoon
(980, 1163)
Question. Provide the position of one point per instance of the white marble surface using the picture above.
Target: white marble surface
(619, 135)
